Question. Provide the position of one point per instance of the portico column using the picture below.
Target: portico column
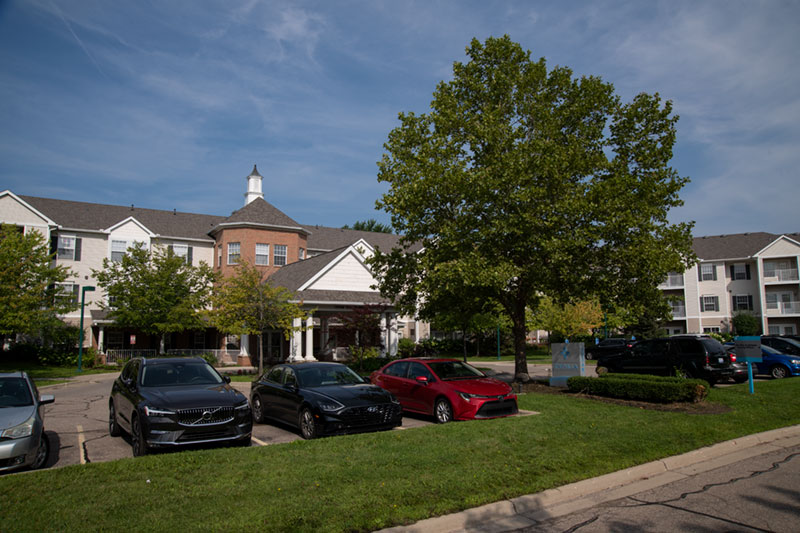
(324, 333)
(296, 343)
(384, 336)
(101, 337)
(310, 339)
(392, 332)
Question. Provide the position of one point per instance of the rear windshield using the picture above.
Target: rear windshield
(14, 392)
(712, 346)
(447, 370)
(174, 374)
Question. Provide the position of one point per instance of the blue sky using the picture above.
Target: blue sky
(169, 104)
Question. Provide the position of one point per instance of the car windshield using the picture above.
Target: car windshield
(447, 370)
(14, 392)
(176, 374)
(327, 375)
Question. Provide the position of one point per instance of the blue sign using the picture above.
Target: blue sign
(568, 360)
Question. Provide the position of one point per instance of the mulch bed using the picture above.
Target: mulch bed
(700, 408)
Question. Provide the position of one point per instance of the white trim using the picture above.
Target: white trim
(350, 250)
(774, 242)
(133, 219)
(226, 225)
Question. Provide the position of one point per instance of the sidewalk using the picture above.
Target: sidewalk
(533, 509)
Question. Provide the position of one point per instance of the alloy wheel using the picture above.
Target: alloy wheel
(443, 411)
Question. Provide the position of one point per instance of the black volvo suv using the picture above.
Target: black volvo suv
(692, 356)
(176, 402)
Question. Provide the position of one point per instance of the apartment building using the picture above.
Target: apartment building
(324, 266)
(748, 272)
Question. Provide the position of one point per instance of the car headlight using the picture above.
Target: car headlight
(243, 406)
(330, 405)
(18, 432)
(796, 361)
(467, 396)
(149, 411)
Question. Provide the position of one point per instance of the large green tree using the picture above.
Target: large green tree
(530, 182)
(369, 225)
(30, 299)
(156, 291)
(247, 304)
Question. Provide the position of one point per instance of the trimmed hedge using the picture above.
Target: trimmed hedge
(646, 388)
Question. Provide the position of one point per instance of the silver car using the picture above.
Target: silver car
(23, 442)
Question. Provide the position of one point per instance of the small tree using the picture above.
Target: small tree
(30, 299)
(745, 324)
(247, 303)
(157, 292)
(566, 320)
(369, 225)
(361, 327)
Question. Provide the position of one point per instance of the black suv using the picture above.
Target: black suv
(691, 356)
(175, 402)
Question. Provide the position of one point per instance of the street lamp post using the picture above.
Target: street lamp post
(80, 335)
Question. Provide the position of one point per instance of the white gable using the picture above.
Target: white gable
(346, 273)
(781, 248)
(14, 210)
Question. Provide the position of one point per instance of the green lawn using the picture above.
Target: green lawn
(371, 481)
(46, 375)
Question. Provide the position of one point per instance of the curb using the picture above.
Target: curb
(531, 509)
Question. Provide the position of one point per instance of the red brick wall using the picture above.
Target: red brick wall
(248, 238)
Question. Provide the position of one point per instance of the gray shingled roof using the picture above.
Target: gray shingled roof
(84, 215)
(259, 211)
(293, 275)
(735, 246)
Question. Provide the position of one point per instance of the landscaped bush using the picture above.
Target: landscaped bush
(645, 388)
(406, 347)
(369, 365)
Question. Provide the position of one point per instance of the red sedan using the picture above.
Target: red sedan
(448, 389)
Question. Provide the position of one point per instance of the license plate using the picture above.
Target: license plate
(720, 360)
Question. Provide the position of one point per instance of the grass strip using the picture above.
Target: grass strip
(367, 482)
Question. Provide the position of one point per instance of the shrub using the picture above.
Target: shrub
(656, 389)
(406, 347)
(210, 358)
(369, 365)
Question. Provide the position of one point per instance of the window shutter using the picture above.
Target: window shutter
(189, 255)
(750, 302)
(733, 272)
(716, 303)
(714, 270)
(75, 291)
(170, 248)
(699, 272)
(702, 304)
(78, 249)
(733, 302)
(53, 244)
(747, 271)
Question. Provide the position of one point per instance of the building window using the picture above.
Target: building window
(301, 254)
(199, 340)
(708, 272)
(219, 256)
(69, 247)
(740, 271)
(182, 250)
(280, 255)
(742, 302)
(118, 250)
(712, 329)
(234, 253)
(68, 292)
(709, 303)
(262, 254)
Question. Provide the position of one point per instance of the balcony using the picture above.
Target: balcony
(678, 311)
(783, 308)
(673, 281)
(780, 275)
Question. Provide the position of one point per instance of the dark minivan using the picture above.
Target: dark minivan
(690, 356)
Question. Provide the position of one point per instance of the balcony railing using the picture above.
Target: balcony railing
(679, 311)
(673, 281)
(783, 308)
(785, 274)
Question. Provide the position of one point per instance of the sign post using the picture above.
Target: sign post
(749, 349)
(568, 360)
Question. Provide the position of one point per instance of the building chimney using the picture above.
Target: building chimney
(253, 187)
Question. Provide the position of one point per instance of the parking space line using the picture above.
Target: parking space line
(80, 445)
(257, 441)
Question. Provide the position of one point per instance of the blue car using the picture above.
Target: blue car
(775, 363)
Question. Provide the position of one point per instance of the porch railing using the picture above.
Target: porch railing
(224, 357)
(678, 311)
(673, 281)
(121, 356)
(786, 274)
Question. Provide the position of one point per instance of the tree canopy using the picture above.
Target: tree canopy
(247, 304)
(156, 291)
(528, 182)
(369, 225)
(30, 299)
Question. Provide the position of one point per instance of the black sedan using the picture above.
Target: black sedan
(177, 402)
(322, 399)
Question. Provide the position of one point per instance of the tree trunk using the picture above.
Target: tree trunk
(464, 344)
(520, 332)
(161, 343)
(261, 353)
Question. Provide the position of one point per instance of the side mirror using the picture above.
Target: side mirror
(226, 378)
(422, 380)
(46, 398)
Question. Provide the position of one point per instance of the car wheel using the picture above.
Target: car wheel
(113, 426)
(258, 409)
(443, 411)
(42, 452)
(740, 379)
(308, 425)
(778, 372)
(138, 442)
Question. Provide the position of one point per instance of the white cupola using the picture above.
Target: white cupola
(253, 187)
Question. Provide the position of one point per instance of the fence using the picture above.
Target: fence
(224, 357)
(121, 356)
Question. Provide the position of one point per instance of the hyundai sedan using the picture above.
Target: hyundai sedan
(448, 389)
(23, 443)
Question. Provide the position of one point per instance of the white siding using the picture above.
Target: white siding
(349, 274)
(781, 248)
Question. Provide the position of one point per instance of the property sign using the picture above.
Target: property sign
(568, 360)
(133, 339)
(748, 349)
